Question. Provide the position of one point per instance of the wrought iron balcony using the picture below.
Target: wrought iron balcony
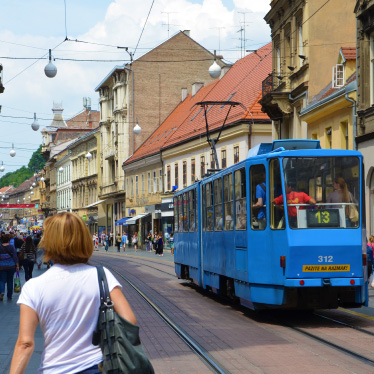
(267, 85)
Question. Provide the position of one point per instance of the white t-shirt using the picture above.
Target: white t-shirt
(66, 299)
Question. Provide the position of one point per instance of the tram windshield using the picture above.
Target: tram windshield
(321, 192)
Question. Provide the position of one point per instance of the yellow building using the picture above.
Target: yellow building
(330, 116)
(304, 37)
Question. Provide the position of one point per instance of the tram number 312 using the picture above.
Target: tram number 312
(325, 258)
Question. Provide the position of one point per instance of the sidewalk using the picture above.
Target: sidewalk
(9, 316)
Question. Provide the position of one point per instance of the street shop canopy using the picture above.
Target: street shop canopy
(122, 221)
(94, 204)
(132, 220)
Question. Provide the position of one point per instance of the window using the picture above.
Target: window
(344, 134)
(300, 45)
(202, 166)
(276, 212)
(328, 138)
(185, 212)
(223, 159)
(136, 185)
(154, 182)
(180, 212)
(168, 177)
(149, 183)
(258, 197)
(184, 173)
(132, 187)
(338, 76)
(236, 154)
(204, 206)
(160, 181)
(176, 183)
(209, 206)
(218, 205)
(212, 163)
(192, 207)
(228, 202)
(240, 200)
(143, 185)
(176, 216)
(192, 171)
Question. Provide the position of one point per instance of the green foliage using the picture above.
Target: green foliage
(37, 161)
(15, 178)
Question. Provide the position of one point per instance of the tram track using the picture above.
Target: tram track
(201, 352)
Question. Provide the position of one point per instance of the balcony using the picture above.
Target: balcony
(111, 188)
(109, 152)
(267, 85)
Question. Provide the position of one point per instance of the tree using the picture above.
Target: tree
(15, 178)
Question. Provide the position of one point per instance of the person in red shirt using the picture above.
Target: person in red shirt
(294, 197)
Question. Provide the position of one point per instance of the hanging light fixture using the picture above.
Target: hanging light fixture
(61, 169)
(89, 156)
(35, 124)
(50, 69)
(12, 152)
(2, 168)
(215, 69)
(32, 192)
(31, 188)
(33, 184)
(42, 179)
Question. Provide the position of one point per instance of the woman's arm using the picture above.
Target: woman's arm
(121, 306)
(25, 343)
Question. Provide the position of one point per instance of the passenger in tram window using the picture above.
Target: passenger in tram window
(294, 197)
(261, 199)
(369, 251)
(341, 195)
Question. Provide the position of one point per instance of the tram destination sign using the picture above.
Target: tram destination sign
(18, 206)
(318, 268)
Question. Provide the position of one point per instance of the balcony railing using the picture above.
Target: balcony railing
(109, 152)
(111, 188)
(267, 85)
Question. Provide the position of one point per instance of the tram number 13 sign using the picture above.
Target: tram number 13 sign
(323, 218)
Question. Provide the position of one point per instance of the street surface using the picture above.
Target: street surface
(243, 342)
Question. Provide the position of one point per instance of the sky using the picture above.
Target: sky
(28, 29)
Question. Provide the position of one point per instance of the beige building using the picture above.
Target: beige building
(143, 93)
(85, 179)
(306, 38)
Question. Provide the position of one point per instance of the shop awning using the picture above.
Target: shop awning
(94, 204)
(122, 221)
(133, 220)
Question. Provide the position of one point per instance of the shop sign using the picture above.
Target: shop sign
(84, 217)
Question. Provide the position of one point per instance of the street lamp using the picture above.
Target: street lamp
(2, 168)
(42, 179)
(215, 69)
(33, 184)
(89, 156)
(50, 69)
(35, 124)
(31, 188)
(61, 169)
(12, 152)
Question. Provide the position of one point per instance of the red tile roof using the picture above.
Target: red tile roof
(242, 83)
(349, 53)
(5, 189)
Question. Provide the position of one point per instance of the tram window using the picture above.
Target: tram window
(331, 183)
(180, 214)
(228, 202)
(240, 200)
(192, 205)
(185, 212)
(176, 214)
(218, 220)
(258, 197)
(277, 220)
(204, 206)
(209, 206)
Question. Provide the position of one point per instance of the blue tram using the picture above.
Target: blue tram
(304, 252)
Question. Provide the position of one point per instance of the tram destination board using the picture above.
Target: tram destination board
(323, 218)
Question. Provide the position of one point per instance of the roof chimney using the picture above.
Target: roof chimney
(196, 87)
(184, 93)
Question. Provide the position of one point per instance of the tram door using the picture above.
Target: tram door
(258, 230)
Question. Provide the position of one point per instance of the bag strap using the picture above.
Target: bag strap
(262, 185)
(103, 287)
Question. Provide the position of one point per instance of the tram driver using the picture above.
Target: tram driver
(294, 197)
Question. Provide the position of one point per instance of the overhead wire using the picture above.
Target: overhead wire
(144, 26)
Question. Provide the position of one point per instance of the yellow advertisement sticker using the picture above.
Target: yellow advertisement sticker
(318, 268)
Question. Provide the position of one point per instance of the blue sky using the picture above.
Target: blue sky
(29, 28)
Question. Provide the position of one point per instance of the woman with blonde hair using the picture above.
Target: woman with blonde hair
(65, 301)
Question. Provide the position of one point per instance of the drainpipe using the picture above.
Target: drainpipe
(293, 99)
(354, 114)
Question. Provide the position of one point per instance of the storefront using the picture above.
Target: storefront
(167, 218)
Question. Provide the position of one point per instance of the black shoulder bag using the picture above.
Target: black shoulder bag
(118, 339)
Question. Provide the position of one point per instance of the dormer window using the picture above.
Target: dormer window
(338, 76)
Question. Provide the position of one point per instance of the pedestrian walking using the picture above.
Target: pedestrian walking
(149, 242)
(111, 239)
(29, 257)
(8, 266)
(106, 244)
(160, 245)
(135, 240)
(118, 242)
(103, 237)
(65, 301)
(124, 241)
(155, 243)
